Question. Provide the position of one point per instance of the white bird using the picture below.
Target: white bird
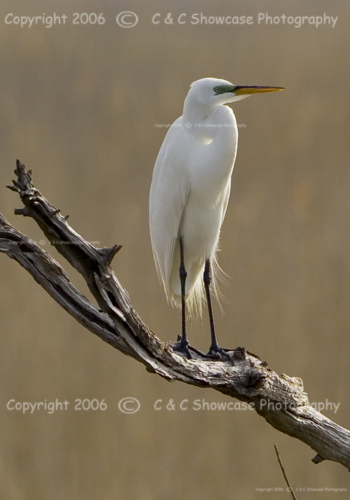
(189, 196)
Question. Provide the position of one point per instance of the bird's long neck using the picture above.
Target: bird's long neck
(206, 122)
(195, 112)
(195, 119)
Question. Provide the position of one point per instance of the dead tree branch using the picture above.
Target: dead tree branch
(281, 400)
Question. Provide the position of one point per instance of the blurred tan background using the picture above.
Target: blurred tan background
(81, 106)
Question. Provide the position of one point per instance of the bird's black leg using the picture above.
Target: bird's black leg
(182, 344)
(183, 276)
(214, 350)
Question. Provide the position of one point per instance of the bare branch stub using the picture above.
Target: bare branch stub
(281, 400)
(284, 473)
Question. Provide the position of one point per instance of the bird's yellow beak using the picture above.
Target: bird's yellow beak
(248, 90)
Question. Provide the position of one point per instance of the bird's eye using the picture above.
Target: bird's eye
(216, 89)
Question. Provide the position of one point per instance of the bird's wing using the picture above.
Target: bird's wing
(168, 197)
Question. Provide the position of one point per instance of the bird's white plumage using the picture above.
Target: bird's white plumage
(191, 187)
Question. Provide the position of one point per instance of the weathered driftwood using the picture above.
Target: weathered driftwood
(281, 400)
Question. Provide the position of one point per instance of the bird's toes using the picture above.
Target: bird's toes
(219, 353)
(182, 350)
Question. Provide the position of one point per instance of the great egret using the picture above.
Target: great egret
(189, 196)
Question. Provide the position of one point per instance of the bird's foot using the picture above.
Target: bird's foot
(185, 350)
(215, 353)
(182, 347)
(219, 353)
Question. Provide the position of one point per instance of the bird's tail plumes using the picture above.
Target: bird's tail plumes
(218, 277)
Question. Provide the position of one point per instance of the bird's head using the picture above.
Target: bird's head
(214, 92)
